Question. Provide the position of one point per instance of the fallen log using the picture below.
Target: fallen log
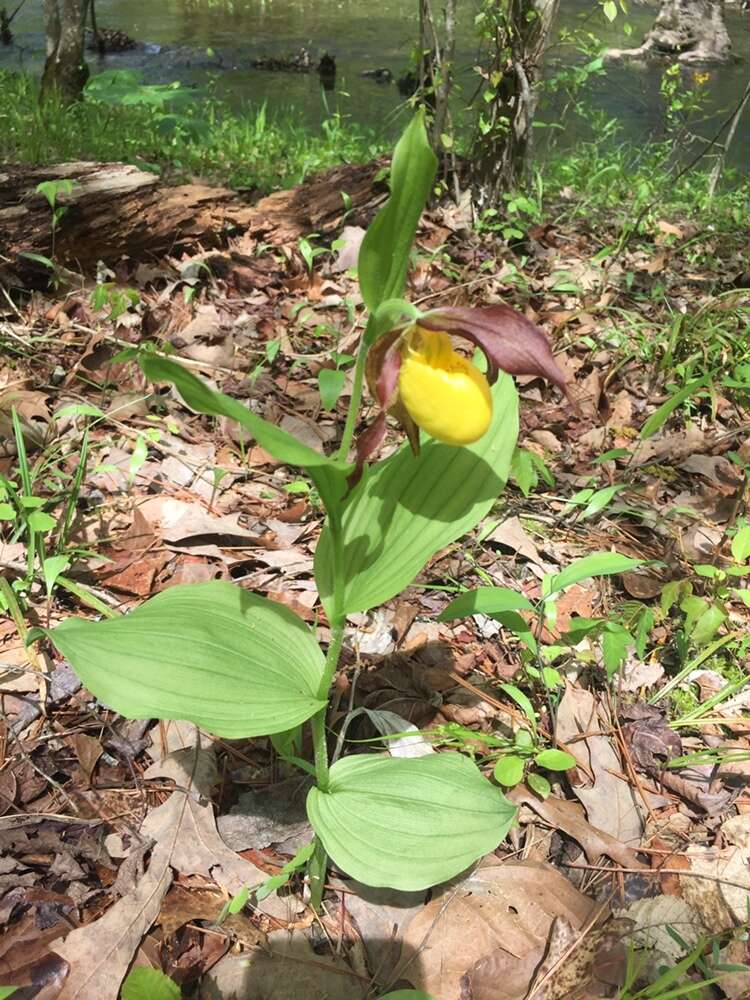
(115, 210)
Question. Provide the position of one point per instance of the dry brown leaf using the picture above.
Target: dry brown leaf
(169, 735)
(307, 430)
(636, 674)
(609, 801)
(204, 340)
(669, 229)
(651, 917)
(699, 542)
(198, 849)
(24, 958)
(720, 895)
(512, 535)
(657, 263)
(42, 978)
(348, 244)
(181, 906)
(581, 965)
(736, 985)
(548, 441)
(100, 953)
(672, 446)
(134, 576)
(381, 916)
(31, 407)
(719, 470)
(88, 750)
(190, 768)
(697, 785)
(293, 972)
(491, 927)
(562, 814)
(620, 411)
(177, 522)
(574, 601)
(643, 583)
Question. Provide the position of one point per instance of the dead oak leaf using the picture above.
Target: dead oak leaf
(181, 906)
(198, 849)
(492, 928)
(562, 814)
(100, 953)
(583, 726)
(581, 966)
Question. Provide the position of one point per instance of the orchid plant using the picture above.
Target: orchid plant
(239, 665)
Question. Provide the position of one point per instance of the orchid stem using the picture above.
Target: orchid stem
(319, 719)
(337, 619)
(356, 398)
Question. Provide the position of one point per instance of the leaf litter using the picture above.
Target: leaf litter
(122, 844)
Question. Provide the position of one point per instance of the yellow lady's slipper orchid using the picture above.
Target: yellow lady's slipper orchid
(443, 393)
(415, 375)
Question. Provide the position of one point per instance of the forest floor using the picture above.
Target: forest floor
(628, 863)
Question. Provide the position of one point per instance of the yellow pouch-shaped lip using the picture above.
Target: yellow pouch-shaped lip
(444, 394)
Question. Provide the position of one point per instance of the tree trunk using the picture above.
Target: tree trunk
(693, 31)
(65, 71)
(518, 32)
(437, 63)
(437, 44)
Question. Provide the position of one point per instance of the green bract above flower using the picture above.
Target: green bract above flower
(415, 374)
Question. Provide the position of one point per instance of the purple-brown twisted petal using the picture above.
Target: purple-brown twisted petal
(510, 341)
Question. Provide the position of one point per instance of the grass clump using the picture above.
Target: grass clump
(174, 131)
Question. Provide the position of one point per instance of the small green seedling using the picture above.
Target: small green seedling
(505, 606)
(50, 190)
(309, 251)
(117, 301)
(331, 380)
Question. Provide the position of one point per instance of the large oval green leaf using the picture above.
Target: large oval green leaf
(408, 823)
(230, 661)
(408, 508)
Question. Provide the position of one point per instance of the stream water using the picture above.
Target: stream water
(195, 41)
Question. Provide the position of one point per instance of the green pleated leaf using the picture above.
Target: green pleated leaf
(597, 564)
(408, 823)
(232, 662)
(485, 601)
(328, 476)
(409, 508)
(659, 417)
(384, 254)
(149, 984)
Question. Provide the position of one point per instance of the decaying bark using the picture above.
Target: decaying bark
(692, 31)
(65, 70)
(115, 210)
(502, 145)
